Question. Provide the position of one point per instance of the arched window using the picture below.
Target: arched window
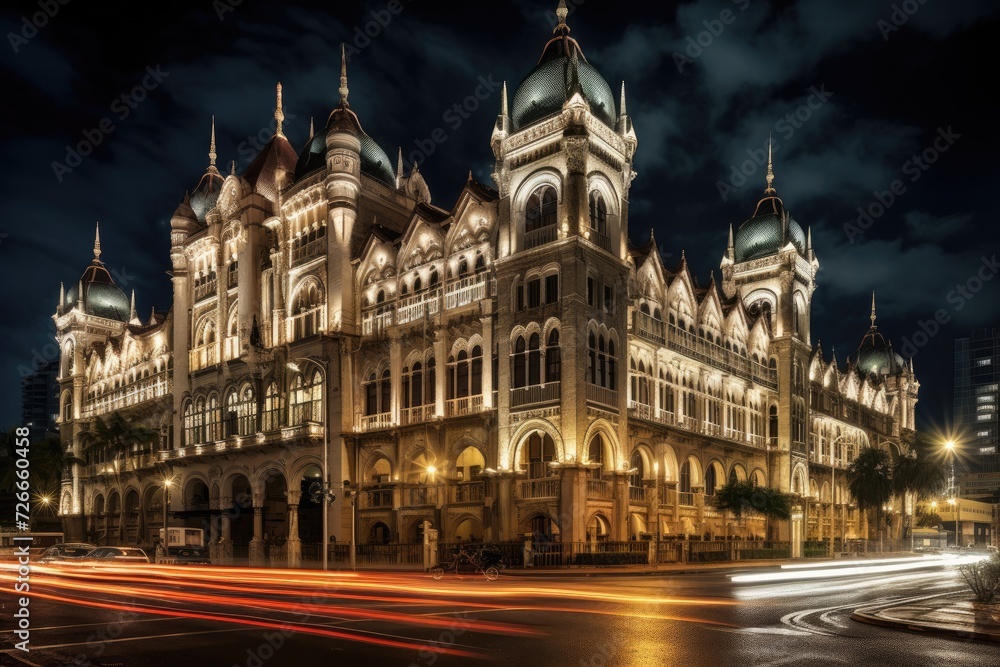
(306, 399)
(537, 452)
(272, 408)
(520, 363)
(190, 433)
(598, 213)
(541, 209)
(434, 279)
(635, 479)
(772, 426)
(534, 361)
(417, 385)
(212, 420)
(477, 371)
(371, 394)
(684, 481)
(385, 391)
(231, 422)
(553, 359)
(247, 410)
(710, 480)
(595, 454)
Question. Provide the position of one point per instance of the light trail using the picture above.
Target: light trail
(854, 571)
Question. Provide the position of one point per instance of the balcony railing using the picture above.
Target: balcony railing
(203, 357)
(602, 395)
(686, 498)
(719, 357)
(467, 492)
(421, 495)
(650, 328)
(667, 496)
(535, 394)
(467, 290)
(458, 407)
(600, 489)
(416, 415)
(539, 488)
(637, 494)
(375, 422)
(140, 391)
(602, 241)
(232, 347)
(205, 288)
(539, 237)
(377, 498)
(308, 323)
(417, 306)
(375, 321)
(306, 251)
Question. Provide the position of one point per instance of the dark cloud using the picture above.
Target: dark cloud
(892, 91)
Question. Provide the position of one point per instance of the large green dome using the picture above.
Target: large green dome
(767, 231)
(561, 70)
(374, 161)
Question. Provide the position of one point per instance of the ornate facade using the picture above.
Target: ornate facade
(510, 364)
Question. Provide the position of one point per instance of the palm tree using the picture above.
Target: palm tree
(119, 440)
(920, 471)
(869, 481)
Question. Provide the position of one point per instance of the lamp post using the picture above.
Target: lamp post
(166, 504)
(950, 448)
(326, 494)
(956, 507)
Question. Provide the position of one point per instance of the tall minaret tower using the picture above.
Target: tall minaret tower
(563, 169)
(770, 263)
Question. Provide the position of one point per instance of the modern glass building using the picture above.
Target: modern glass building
(976, 387)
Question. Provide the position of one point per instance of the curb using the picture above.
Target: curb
(953, 633)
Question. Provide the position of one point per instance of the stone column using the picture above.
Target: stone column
(294, 545)
(506, 530)
(257, 556)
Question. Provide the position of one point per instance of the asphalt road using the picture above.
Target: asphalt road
(161, 616)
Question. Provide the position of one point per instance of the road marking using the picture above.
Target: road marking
(129, 639)
(105, 623)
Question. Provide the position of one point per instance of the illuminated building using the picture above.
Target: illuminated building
(509, 364)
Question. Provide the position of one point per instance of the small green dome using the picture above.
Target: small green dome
(101, 296)
(374, 161)
(875, 355)
(767, 231)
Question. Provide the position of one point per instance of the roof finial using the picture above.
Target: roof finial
(399, 168)
(503, 99)
(97, 242)
(232, 168)
(770, 171)
(873, 309)
(279, 115)
(561, 13)
(312, 132)
(132, 315)
(62, 294)
(343, 76)
(211, 148)
(623, 112)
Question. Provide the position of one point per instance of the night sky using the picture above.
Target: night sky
(852, 91)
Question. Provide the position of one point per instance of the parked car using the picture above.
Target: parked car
(69, 551)
(116, 555)
(184, 546)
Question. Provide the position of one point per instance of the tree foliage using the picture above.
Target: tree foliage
(742, 498)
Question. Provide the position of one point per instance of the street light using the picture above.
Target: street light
(326, 493)
(166, 504)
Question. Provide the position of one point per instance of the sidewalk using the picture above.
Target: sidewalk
(950, 616)
(634, 570)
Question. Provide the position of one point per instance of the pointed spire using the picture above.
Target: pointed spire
(343, 76)
(62, 294)
(133, 317)
(561, 13)
(312, 132)
(79, 294)
(730, 244)
(399, 168)
(469, 179)
(770, 170)
(622, 104)
(279, 115)
(232, 168)
(503, 100)
(809, 237)
(211, 149)
(873, 309)
(152, 315)
(97, 242)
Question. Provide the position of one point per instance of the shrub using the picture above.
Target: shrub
(983, 578)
